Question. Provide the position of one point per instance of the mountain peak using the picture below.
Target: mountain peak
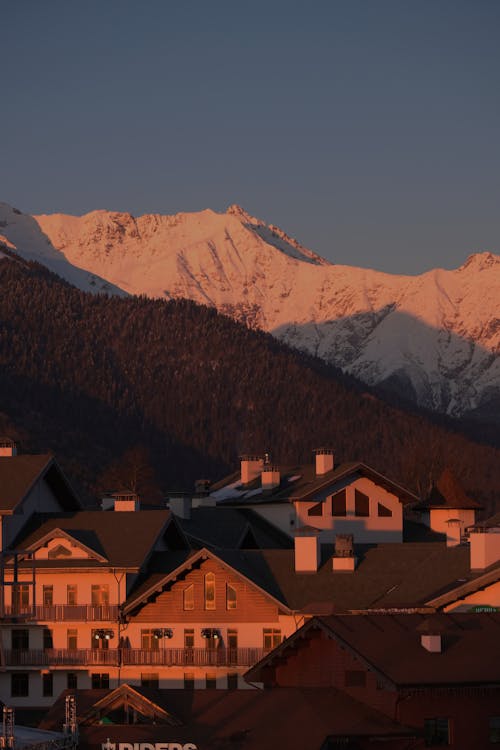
(481, 261)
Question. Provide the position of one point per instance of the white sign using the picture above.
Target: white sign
(147, 745)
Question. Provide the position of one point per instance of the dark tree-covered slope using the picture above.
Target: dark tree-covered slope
(95, 378)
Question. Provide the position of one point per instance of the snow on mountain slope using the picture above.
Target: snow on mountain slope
(435, 337)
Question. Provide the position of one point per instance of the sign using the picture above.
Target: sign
(108, 745)
(483, 608)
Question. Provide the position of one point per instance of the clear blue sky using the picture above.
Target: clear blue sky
(368, 130)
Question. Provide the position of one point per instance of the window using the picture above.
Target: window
(188, 680)
(361, 504)
(495, 729)
(149, 641)
(272, 638)
(189, 646)
(316, 510)
(20, 639)
(437, 732)
(355, 678)
(20, 596)
(383, 511)
(210, 591)
(71, 595)
(188, 597)
(230, 597)
(99, 594)
(48, 596)
(20, 684)
(47, 684)
(150, 680)
(48, 641)
(59, 551)
(100, 681)
(339, 504)
(72, 681)
(210, 680)
(72, 639)
(232, 681)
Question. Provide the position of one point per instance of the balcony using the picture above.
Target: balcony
(167, 657)
(62, 613)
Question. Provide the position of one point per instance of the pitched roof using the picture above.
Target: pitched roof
(125, 539)
(299, 483)
(447, 492)
(391, 645)
(242, 718)
(18, 474)
(226, 528)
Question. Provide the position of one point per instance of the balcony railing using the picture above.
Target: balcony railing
(63, 612)
(165, 657)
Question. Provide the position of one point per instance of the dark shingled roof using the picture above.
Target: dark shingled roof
(125, 539)
(232, 528)
(389, 576)
(18, 474)
(391, 644)
(241, 719)
(300, 482)
(448, 493)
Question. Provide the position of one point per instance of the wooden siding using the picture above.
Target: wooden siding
(251, 606)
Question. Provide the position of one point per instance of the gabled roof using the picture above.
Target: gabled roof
(125, 539)
(226, 528)
(156, 582)
(76, 537)
(18, 474)
(447, 492)
(300, 483)
(391, 646)
(215, 719)
(139, 699)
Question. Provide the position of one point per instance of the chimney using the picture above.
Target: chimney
(324, 460)
(484, 546)
(453, 532)
(126, 502)
(202, 486)
(343, 557)
(307, 550)
(270, 477)
(7, 447)
(432, 642)
(251, 467)
(432, 630)
(180, 504)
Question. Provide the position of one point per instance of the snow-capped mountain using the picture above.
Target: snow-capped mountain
(435, 337)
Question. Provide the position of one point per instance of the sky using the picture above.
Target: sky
(369, 130)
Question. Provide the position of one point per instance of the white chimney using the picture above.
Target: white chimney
(7, 447)
(180, 505)
(126, 502)
(251, 467)
(270, 477)
(484, 547)
(307, 550)
(453, 532)
(324, 460)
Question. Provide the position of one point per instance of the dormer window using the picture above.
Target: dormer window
(210, 591)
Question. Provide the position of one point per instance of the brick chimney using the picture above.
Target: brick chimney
(324, 460)
(7, 447)
(251, 467)
(343, 558)
(484, 546)
(307, 549)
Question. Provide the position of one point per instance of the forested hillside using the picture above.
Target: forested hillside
(180, 390)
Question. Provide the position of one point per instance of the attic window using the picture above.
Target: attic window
(383, 511)
(210, 591)
(59, 551)
(230, 597)
(339, 504)
(361, 504)
(316, 510)
(188, 597)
